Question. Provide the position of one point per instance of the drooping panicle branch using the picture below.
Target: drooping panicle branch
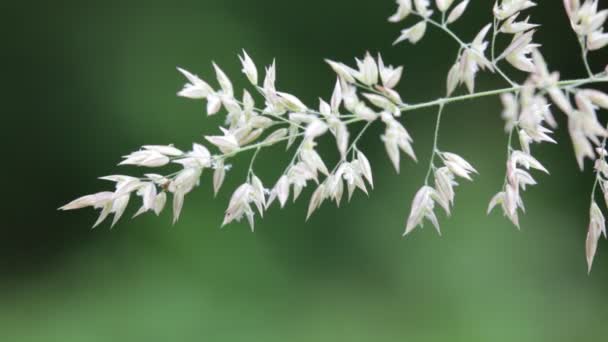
(364, 94)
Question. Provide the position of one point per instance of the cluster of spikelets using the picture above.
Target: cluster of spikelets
(365, 94)
(442, 194)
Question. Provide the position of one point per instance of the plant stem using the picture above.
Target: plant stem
(358, 137)
(443, 101)
(584, 53)
(493, 44)
(353, 144)
(255, 155)
(435, 141)
(509, 149)
(503, 75)
(295, 156)
(464, 45)
(445, 29)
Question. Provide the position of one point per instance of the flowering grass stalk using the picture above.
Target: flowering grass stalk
(365, 94)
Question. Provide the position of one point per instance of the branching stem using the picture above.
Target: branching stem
(464, 45)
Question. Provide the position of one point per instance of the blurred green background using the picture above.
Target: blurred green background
(86, 82)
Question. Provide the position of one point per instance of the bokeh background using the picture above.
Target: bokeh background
(85, 82)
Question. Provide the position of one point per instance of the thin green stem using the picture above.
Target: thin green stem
(445, 29)
(493, 44)
(495, 32)
(503, 75)
(584, 53)
(353, 144)
(435, 141)
(255, 155)
(295, 156)
(510, 142)
(509, 150)
(594, 189)
(464, 45)
(444, 101)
